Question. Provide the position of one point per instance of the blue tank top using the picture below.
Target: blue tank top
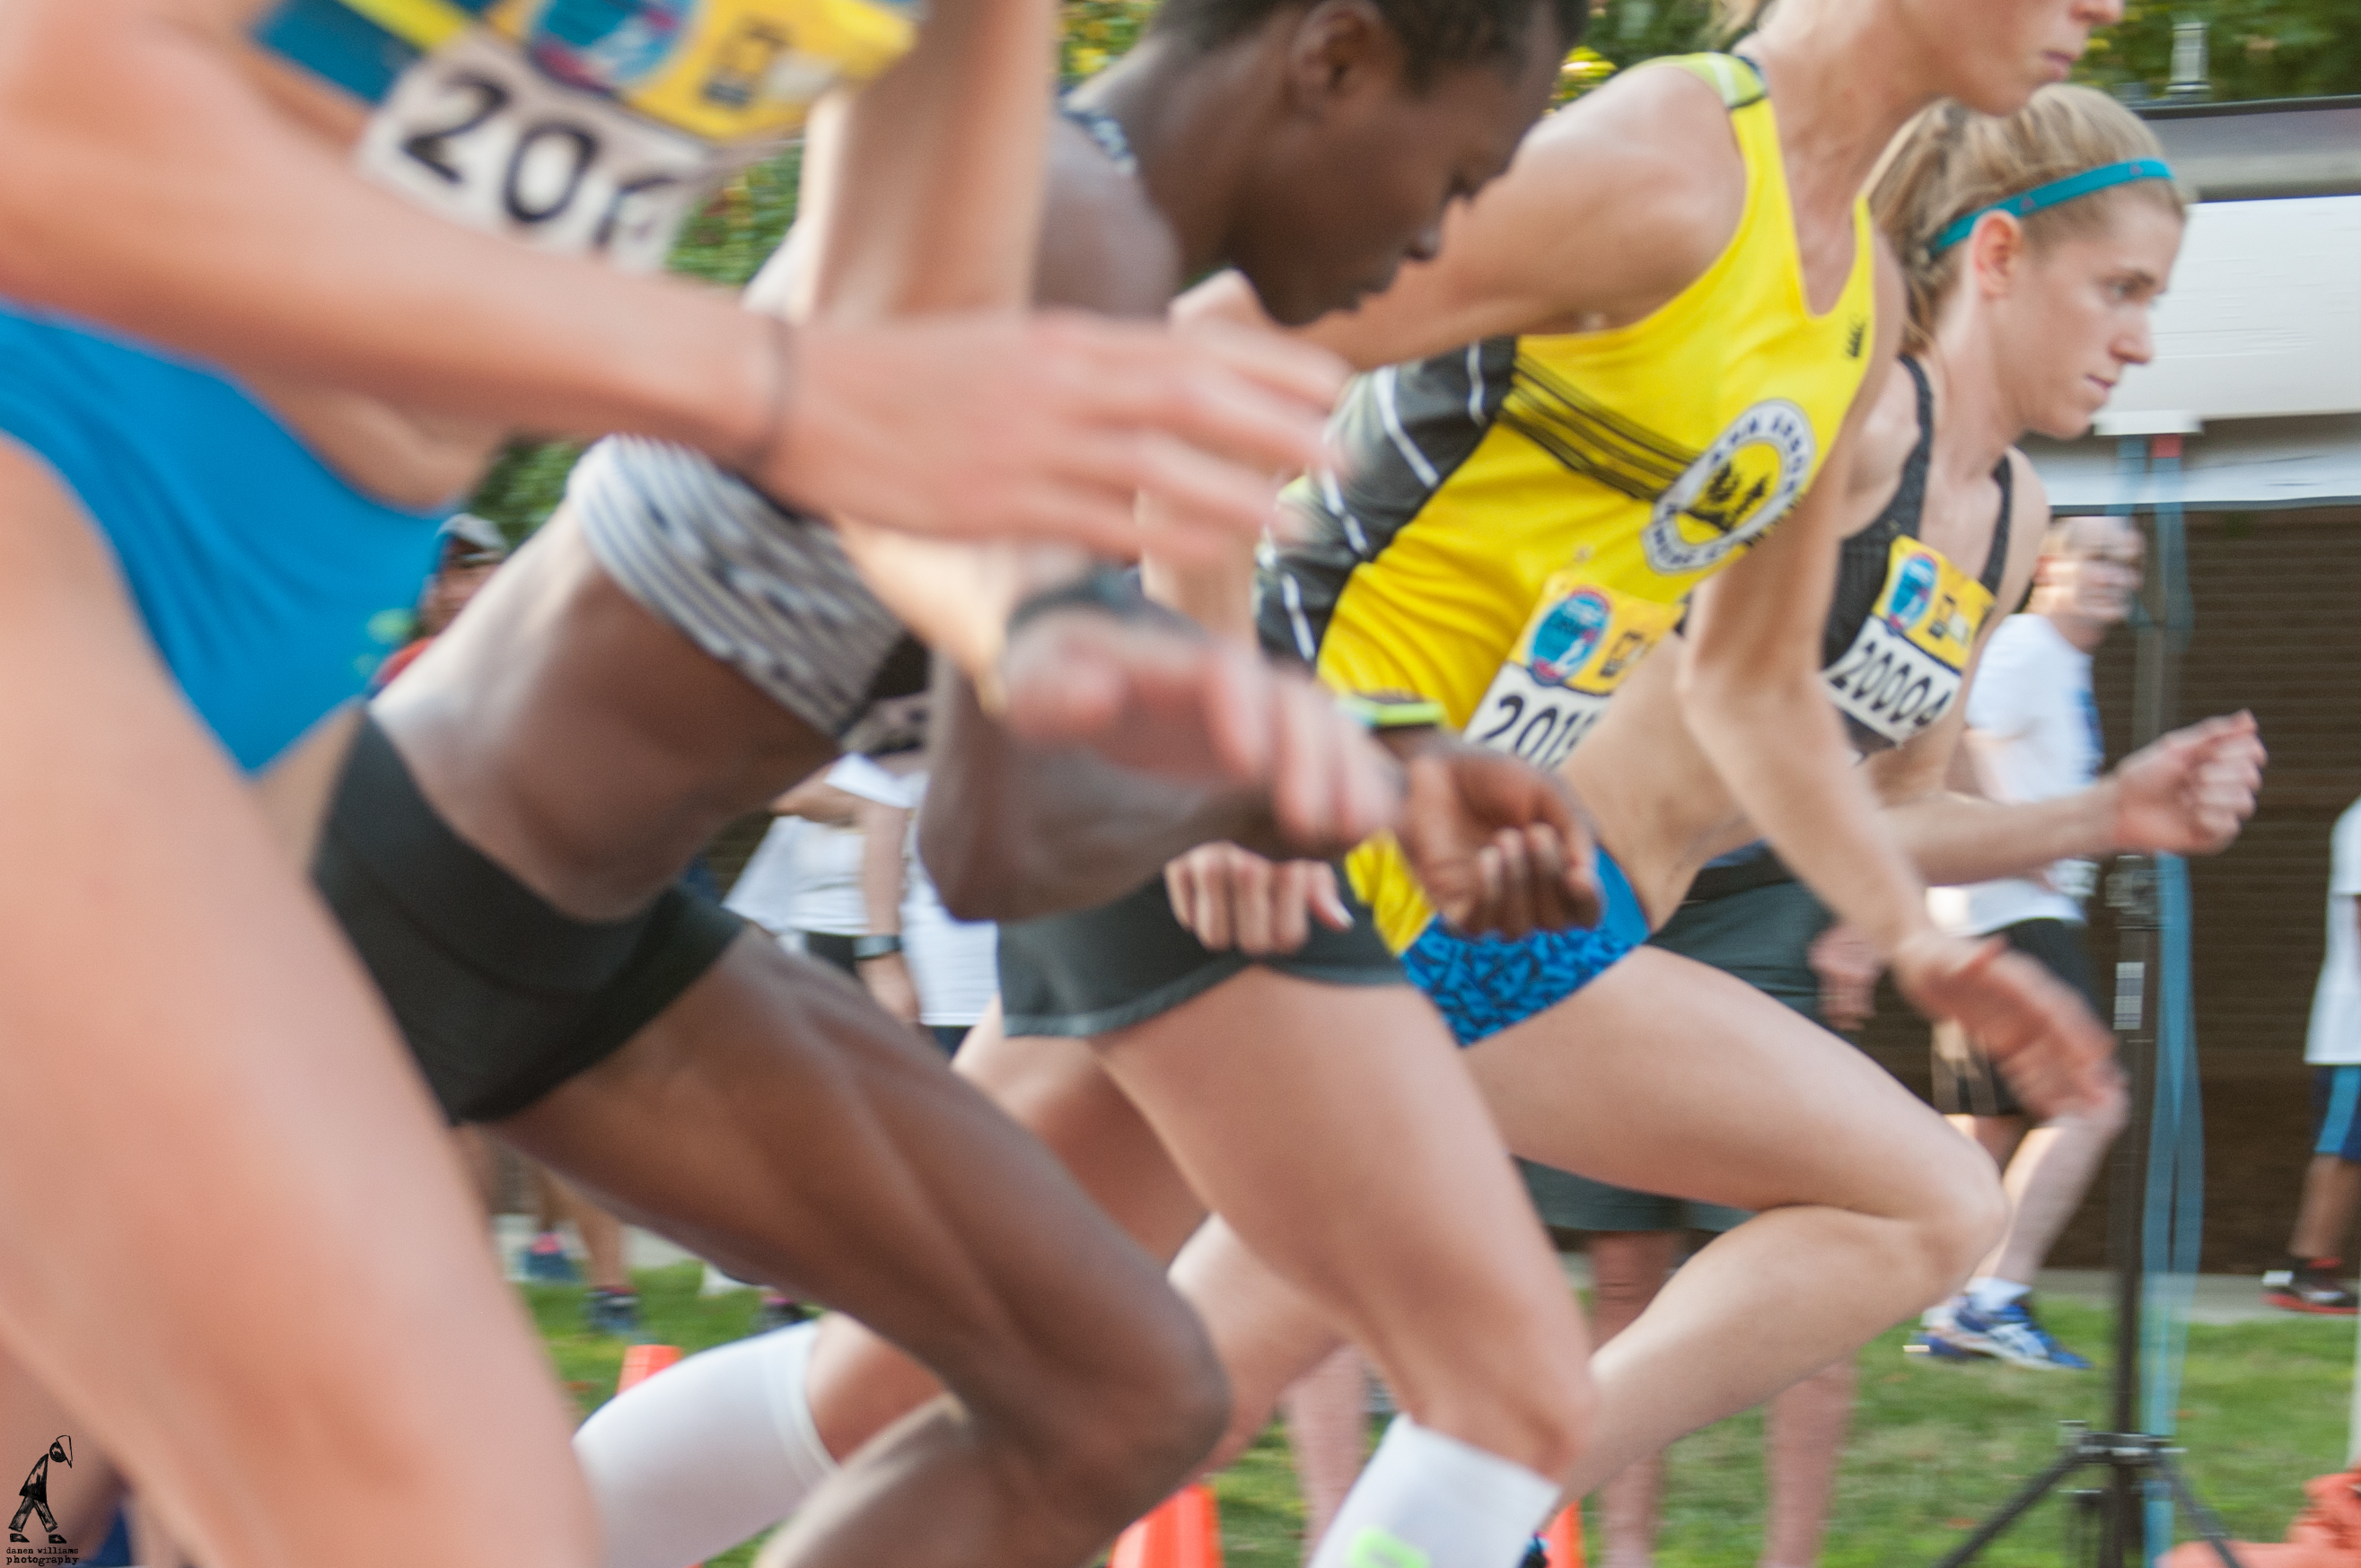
(271, 587)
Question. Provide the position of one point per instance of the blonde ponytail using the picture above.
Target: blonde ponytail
(1950, 160)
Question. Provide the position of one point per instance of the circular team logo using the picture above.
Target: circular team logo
(1745, 482)
(607, 45)
(1913, 590)
(1568, 635)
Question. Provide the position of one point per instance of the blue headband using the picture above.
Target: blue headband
(2027, 203)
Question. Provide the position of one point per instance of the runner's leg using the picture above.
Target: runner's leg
(1332, 1128)
(1627, 1268)
(319, 1390)
(1874, 1209)
(775, 1122)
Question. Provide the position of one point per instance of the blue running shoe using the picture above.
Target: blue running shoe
(1936, 1344)
(546, 1262)
(2014, 1335)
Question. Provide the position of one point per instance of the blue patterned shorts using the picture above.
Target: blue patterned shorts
(1484, 984)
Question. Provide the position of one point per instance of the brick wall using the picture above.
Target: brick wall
(2278, 632)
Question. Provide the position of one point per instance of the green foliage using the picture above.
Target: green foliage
(1097, 32)
(2256, 49)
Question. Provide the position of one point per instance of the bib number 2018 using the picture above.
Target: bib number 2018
(477, 134)
(1540, 723)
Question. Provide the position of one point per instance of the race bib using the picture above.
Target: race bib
(1579, 645)
(583, 126)
(1905, 668)
(480, 136)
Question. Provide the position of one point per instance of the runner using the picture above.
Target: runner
(672, 649)
(1516, 515)
(260, 527)
(1998, 341)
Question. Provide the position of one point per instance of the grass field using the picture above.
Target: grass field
(1934, 1447)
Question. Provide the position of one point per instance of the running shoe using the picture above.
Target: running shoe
(2014, 1335)
(615, 1313)
(1935, 1342)
(546, 1262)
(2310, 1285)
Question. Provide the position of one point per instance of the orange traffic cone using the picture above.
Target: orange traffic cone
(1563, 1540)
(1184, 1532)
(641, 1362)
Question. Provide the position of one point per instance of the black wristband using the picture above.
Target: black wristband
(875, 947)
(1114, 589)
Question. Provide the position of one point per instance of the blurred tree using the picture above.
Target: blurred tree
(2255, 49)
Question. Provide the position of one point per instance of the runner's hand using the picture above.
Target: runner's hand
(1848, 967)
(1496, 842)
(1045, 427)
(2034, 1026)
(1161, 698)
(2190, 792)
(1229, 897)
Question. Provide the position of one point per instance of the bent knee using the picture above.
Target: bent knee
(1125, 1423)
(1962, 1214)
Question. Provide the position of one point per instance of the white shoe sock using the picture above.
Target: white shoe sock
(1430, 1501)
(706, 1454)
(1989, 1294)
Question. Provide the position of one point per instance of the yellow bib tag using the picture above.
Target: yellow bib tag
(1580, 643)
(1906, 666)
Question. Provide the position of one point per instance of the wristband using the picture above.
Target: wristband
(1381, 711)
(1110, 588)
(882, 947)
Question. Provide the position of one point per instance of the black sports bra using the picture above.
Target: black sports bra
(1903, 620)
(1898, 633)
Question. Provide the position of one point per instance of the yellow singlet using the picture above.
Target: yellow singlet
(1517, 521)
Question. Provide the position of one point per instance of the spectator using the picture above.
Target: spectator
(2309, 1280)
(956, 963)
(2033, 734)
(472, 550)
(838, 877)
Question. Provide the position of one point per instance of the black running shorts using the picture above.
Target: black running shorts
(1092, 972)
(501, 997)
(1965, 1082)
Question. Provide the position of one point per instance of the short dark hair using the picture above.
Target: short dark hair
(1435, 34)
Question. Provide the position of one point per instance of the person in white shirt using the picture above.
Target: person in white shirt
(2309, 1279)
(2033, 734)
(838, 876)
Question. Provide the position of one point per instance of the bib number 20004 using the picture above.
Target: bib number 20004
(478, 135)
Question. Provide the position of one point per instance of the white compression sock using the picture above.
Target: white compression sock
(705, 1454)
(1989, 1294)
(1430, 1501)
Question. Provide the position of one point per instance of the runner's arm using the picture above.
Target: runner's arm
(153, 186)
(1752, 697)
(2189, 792)
(1011, 830)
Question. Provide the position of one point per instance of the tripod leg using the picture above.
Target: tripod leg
(2033, 1492)
(2209, 1527)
